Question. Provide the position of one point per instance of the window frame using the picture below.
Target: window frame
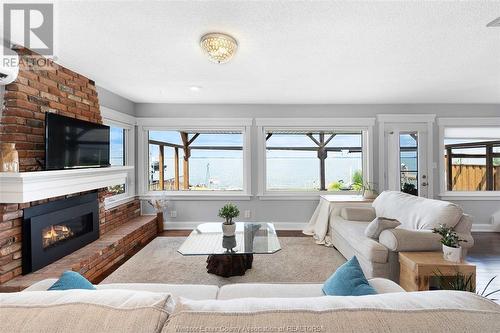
(193, 124)
(115, 118)
(365, 125)
(445, 123)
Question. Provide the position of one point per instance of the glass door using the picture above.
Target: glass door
(407, 169)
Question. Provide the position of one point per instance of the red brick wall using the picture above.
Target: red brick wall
(116, 216)
(35, 92)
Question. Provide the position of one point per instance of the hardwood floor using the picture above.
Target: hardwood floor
(485, 254)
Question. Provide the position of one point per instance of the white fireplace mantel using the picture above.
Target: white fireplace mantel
(24, 187)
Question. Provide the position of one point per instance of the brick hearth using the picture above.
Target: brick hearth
(59, 90)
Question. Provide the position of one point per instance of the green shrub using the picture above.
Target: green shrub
(228, 212)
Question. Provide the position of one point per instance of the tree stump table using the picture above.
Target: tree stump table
(227, 265)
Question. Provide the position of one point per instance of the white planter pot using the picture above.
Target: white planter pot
(453, 254)
(228, 229)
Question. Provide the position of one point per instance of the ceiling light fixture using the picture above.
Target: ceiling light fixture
(494, 23)
(195, 88)
(219, 47)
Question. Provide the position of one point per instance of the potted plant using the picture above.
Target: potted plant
(229, 212)
(452, 251)
(463, 282)
(369, 191)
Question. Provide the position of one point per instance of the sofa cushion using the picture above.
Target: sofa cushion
(390, 301)
(84, 311)
(416, 213)
(263, 290)
(365, 214)
(401, 312)
(192, 291)
(354, 234)
(379, 224)
(348, 280)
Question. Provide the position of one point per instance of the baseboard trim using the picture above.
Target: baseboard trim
(191, 225)
(484, 227)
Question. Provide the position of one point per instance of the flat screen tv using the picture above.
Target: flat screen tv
(72, 143)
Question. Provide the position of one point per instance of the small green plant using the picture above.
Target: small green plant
(357, 181)
(335, 186)
(463, 282)
(409, 188)
(448, 236)
(458, 281)
(484, 292)
(228, 212)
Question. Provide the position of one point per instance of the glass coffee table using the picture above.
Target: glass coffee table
(231, 255)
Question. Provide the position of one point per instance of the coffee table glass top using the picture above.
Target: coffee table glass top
(249, 238)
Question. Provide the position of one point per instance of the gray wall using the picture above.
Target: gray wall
(116, 102)
(299, 211)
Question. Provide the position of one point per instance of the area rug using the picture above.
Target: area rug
(300, 260)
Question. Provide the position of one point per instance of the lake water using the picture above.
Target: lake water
(282, 173)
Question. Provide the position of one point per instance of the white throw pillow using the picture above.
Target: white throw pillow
(379, 224)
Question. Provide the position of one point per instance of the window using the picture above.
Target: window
(472, 158)
(117, 155)
(314, 160)
(408, 161)
(208, 160)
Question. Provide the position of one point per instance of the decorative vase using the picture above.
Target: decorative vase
(228, 229)
(9, 158)
(369, 194)
(453, 254)
(159, 221)
(229, 243)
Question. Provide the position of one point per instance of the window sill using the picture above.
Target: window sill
(471, 196)
(301, 195)
(193, 196)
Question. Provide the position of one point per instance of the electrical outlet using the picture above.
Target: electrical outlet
(247, 214)
(173, 213)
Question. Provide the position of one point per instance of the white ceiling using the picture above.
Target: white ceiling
(290, 52)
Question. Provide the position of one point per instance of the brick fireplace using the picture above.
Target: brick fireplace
(59, 90)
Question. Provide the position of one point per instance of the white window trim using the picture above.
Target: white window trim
(463, 122)
(191, 124)
(383, 121)
(118, 119)
(325, 124)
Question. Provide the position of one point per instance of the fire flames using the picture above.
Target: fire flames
(54, 234)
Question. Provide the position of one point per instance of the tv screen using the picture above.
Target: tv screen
(73, 143)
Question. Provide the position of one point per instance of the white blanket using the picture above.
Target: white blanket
(320, 223)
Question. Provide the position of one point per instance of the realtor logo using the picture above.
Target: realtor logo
(30, 25)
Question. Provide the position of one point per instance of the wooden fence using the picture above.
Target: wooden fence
(473, 177)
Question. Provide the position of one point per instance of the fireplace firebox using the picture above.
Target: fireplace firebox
(56, 229)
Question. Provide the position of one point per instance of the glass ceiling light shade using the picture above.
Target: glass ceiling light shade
(220, 48)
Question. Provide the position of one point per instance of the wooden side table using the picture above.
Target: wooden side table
(417, 268)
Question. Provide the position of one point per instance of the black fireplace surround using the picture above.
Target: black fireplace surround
(56, 229)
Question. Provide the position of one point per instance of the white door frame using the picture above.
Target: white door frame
(384, 121)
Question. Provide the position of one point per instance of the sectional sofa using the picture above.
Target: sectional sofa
(243, 308)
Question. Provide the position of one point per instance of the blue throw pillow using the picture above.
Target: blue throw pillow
(72, 280)
(348, 280)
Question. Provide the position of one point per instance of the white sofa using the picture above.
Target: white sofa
(417, 215)
(230, 291)
(162, 308)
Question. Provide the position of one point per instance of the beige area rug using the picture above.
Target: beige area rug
(299, 260)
